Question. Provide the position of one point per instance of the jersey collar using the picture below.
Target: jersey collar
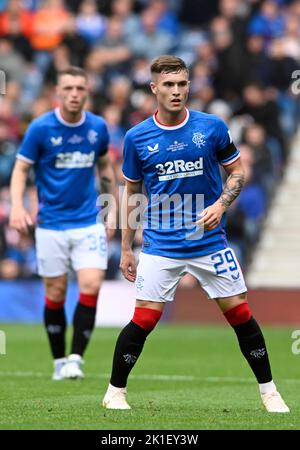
(172, 127)
(69, 124)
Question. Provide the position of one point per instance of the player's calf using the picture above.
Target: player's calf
(251, 341)
(128, 348)
(55, 324)
(130, 343)
(83, 322)
(253, 347)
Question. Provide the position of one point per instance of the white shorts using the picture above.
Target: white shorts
(219, 274)
(80, 248)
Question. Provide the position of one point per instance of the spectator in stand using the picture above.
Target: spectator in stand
(234, 11)
(89, 23)
(114, 50)
(228, 51)
(8, 150)
(255, 62)
(123, 9)
(291, 37)
(167, 19)
(264, 110)
(11, 62)
(151, 41)
(281, 69)
(118, 94)
(112, 115)
(61, 58)
(265, 164)
(50, 23)
(16, 24)
(268, 22)
(245, 215)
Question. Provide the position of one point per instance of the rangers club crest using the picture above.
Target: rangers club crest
(198, 139)
(92, 136)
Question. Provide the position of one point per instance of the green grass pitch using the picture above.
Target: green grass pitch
(188, 377)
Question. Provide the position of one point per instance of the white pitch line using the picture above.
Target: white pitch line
(150, 377)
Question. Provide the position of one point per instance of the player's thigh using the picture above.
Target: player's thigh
(219, 274)
(53, 252)
(90, 280)
(89, 247)
(56, 287)
(157, 278)
(158, 306)
(227, 303)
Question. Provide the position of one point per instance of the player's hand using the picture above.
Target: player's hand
(211, 216)
(128, 265)
(110, 226)
(20, 220)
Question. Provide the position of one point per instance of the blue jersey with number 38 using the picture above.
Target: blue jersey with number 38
(64, 157)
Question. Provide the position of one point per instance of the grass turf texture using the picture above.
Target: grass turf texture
(188, 377)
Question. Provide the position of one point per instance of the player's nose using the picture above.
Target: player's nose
(74, 92)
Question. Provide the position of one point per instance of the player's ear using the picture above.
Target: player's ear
(153, 87)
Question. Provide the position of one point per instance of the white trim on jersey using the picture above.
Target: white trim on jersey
(132, 181)
(231, 161)
(173, 127)
(23, 158)
(69, 124)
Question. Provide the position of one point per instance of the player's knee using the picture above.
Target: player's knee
(146, 318)
(90, 281)
(56, 293)
(91, 288)
(239, 314)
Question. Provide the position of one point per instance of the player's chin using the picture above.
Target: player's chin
(74, 107)
(176, 106)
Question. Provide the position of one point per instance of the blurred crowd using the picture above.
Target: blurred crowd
(241, 56)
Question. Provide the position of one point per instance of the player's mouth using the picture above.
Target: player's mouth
(176, 101)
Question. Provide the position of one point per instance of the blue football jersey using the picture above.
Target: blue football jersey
(180, 168)
(64, 157)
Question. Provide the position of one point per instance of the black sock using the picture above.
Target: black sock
(128, 348)
(83, 323)
(55, 323)
(253, 347)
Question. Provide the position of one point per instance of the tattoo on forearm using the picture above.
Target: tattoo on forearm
(105, 184)
(233, 187)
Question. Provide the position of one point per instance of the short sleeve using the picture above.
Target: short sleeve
(131, 162)
(31, 146)
(226, 151)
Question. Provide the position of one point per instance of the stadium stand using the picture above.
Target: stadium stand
(241, 56)
(276, 260)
